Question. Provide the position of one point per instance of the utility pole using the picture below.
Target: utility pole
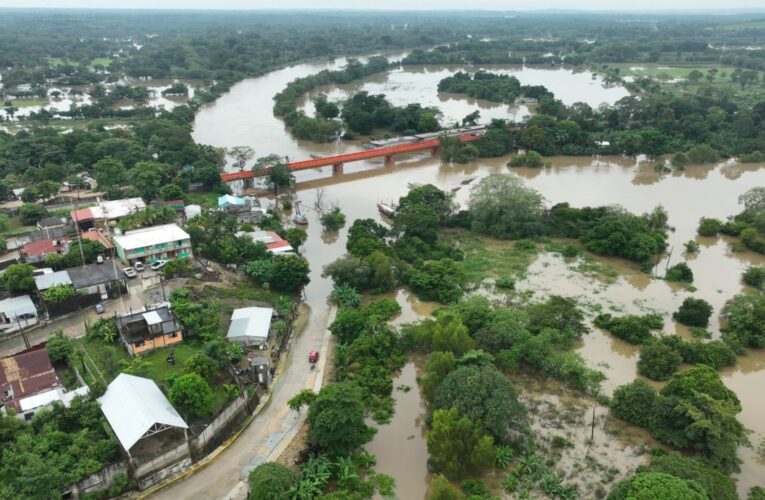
(77, 227)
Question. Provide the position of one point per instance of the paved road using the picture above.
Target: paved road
(74, 324)
(270, 430)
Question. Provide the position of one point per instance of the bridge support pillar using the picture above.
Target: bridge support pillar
(337, 168)
(389, 160)
(435, 151)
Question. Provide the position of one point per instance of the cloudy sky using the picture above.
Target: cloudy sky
(398, 4)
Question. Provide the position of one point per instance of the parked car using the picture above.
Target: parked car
(138, 267)
(130, 272)
(158, 265)
(313, 357)
(100, 308)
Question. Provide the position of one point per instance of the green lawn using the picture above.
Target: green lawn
(58, 61)
(207, 200)
(23, 103)
(667, 72)
(490, 258)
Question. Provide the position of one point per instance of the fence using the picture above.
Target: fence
(159, 462)
(71, 304)
(100, 481)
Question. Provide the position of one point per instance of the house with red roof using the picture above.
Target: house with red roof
(37, 251)
(275, 243)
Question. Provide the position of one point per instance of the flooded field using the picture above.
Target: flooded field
(244, 117)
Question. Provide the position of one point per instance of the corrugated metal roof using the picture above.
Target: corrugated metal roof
(250, 322)
(48, 280)
(17, 306)
(132, 405)
(149, 236)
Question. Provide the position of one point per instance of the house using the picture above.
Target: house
(47, 280)
(28, 384)
(227, 200)
(49, 225)
(99, 237)
(106, 213)
(96, 279)
(38, 251)
(248, 213)
(17, 313)
(150, 244)
(88, 280)
(18, 192)
(250, 326)
(148, 329)
(191, 211)
(275, 243)
(136, 408)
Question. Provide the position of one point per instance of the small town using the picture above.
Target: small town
(420, 250)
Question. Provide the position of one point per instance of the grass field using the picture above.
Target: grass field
(22, 103)
(664, 72)
(58, 61)
(490, 258)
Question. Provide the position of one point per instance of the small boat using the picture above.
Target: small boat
(299, 218)
(387, 210)
(467, 181)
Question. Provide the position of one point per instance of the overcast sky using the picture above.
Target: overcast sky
(642, 5)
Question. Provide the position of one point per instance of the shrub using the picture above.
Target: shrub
(693, 312)
(270, 481)
(717, 485)
(59, 347)
(658, 361)
(754, 276)
(634, 402)
(333, 220)
(650, 485)
(631, 328)
(709, 227)
(680, 272)
(692, 247)
(703, 153)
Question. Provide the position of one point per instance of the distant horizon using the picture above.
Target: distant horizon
(397, 6)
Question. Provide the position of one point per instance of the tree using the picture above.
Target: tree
(240, 156)
(47, 189)
(289, 273)
(680, 272)
(296, 237)
(693, 312)
(349, 270)
(336, 418)
(191, 395)
(31, 213)
(441, 280)
(271, 481)
(146, 177)
(172, 191)
(658, 361)
(652, 485)
(501, 206)
(709, 227)
(439, 365)
(333, 220)
(634, 402)
(110, 173)
(754, 277)
(59, 347)
(715, 483)
(456, 445)
(485, 396)
(745, 315)
(19, 278)
(442, 489)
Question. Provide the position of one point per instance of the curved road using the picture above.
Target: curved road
(271, 430)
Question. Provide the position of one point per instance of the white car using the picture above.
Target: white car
(158, 265)
(138, 267)
(130, 272)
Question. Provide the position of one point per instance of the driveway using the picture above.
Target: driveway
(271, 430)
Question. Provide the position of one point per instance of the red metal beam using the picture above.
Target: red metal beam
(366, 154)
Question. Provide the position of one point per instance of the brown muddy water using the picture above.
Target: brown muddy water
(244, 117)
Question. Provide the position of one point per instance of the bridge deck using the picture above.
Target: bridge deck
(366, 154)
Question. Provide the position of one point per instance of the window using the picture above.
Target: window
(173, 335)
(139, 344)
(28, 416)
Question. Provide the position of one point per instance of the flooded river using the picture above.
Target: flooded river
(244, 117)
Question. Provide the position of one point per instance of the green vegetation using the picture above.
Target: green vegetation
(745, 315)
(363, 113)
(631, 328)
(693, 412)
(490, 86)
(693, 312)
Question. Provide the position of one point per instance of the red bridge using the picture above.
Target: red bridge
(338, 161)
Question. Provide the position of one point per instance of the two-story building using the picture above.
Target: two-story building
(106, 214)
(149, 244)
(146, 330)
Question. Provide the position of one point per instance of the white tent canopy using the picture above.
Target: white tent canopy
(136, 408)
(250, 325)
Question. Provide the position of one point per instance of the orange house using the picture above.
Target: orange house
(144, 331)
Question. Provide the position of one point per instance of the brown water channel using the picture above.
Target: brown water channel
(244, 117)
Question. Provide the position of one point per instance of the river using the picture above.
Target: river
(244, 117)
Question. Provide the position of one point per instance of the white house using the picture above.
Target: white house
(250, 326)
(17, 313)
